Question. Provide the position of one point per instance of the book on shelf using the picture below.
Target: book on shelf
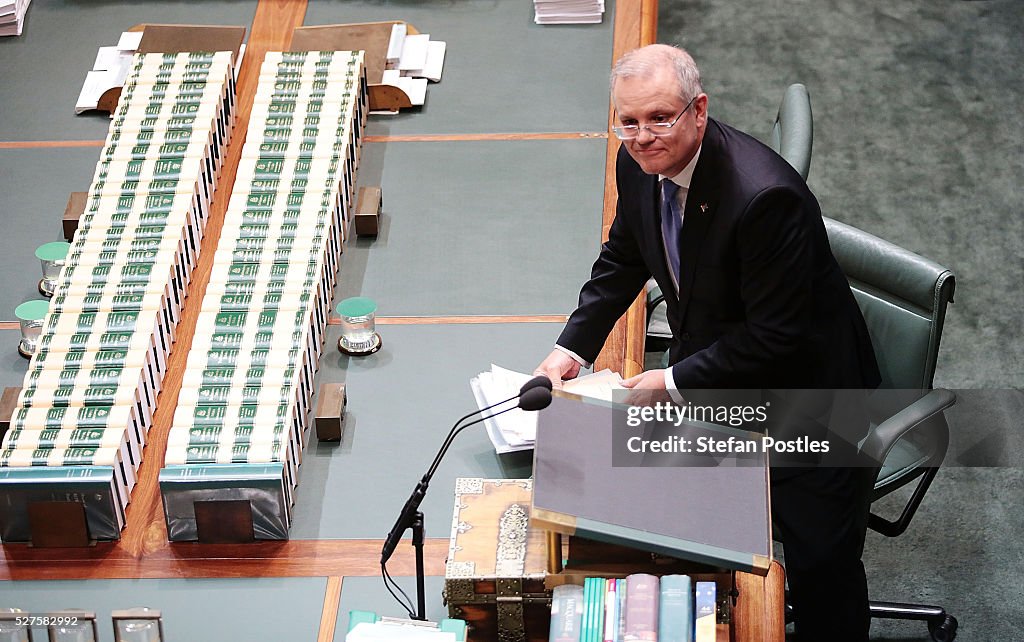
(705, 611)
(566, 613)
(642, 595)
(675, 611)
(611, 610)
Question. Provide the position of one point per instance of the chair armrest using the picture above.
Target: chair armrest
(882, 438)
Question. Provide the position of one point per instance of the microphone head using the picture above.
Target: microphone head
(540, 381)
(535, 399)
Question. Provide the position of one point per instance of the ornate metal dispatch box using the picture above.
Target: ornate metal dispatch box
(494, 576)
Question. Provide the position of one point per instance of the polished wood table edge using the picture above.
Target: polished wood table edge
(636, 25)
(290, 558)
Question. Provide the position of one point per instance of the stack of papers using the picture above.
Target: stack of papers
(567, 12)
(108, 70)
(398, 632)
(412, 60)
(517, 429)
(12, 16)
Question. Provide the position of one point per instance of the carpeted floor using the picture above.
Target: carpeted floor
(919, 139)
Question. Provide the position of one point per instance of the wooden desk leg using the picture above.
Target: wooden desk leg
(760, 614)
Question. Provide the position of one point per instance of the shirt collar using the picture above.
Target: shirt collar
(682, 179)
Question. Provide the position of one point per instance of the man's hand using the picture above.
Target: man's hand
(557, 367)
(647, 388)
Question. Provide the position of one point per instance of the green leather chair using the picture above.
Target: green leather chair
(792, 134)
(903, 298)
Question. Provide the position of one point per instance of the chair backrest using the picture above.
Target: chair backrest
(903, 298)
(792, 134)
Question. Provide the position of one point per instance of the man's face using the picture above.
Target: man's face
(654, 98)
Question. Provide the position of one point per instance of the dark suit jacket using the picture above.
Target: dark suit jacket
(762, 300)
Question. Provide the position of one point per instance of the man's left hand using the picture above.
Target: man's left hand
(647, 388)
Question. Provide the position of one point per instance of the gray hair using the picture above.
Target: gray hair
(645, 60)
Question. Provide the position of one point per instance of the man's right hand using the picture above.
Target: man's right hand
(557, 367)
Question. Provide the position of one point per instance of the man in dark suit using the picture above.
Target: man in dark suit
(755, 299)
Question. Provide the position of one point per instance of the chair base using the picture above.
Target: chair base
(941, 626)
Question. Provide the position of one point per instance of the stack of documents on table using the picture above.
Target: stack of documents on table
(242, 414)
(412, 60)
(90, 393)
(110, 69)
(517, 429)
(565, 12)
(12, 16)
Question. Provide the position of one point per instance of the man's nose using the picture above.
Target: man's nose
(644, 135)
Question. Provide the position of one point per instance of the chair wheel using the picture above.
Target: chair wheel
(944, 631)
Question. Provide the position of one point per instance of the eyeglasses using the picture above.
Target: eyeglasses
(629, 132)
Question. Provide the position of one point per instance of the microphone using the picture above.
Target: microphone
(539, 381)
(537, 398)
(534, 395)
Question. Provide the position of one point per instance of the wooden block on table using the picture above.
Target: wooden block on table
(73, 212)
(58, 525)
(330, 412)
(368, 211)
(8, 402)
(224, 521)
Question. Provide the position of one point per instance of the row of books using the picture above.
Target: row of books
(670, 608)
(242, 416)
(90, 393)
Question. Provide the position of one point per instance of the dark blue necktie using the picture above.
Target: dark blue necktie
(671, 224)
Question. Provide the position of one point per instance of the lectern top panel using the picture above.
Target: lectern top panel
(713, 510)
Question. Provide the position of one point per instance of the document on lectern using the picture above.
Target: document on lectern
(516, 430)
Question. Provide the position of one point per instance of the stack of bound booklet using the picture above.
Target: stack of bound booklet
(242, 415)
(91, 390)
(670, 608)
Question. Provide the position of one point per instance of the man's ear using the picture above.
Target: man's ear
(700, 109)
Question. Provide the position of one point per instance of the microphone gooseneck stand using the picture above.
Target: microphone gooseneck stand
(534, 395)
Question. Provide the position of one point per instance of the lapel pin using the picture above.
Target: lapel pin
(703, 207)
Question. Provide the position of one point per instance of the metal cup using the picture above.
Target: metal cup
(11, 629)
(73, 625)
(138, 625)
(52, 256)
(358, 328)
(30, 315)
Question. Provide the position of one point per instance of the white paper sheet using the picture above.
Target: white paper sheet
(96, 82)
(129, 40)
(435, 62)
(414, 52)
(396, 42)
(516, 429)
